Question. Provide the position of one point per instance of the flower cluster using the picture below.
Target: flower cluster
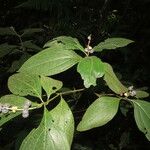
(89, 49)
(25, 112)
(4, 108)
(131, 92)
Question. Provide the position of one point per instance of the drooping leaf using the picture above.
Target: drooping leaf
(112, 43)
(18, 63)
(50, 62)
(55, 131)
(112, 81)
(25, 84)
(50, 85)
(7, 31)
(12, 100)
(141, 94)
(90, 69)
(100, 112)
(142, 116)
(65, 43)
(30, 31)
(5, 49)
(31, 46)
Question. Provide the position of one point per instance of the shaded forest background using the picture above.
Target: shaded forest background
(80, 18)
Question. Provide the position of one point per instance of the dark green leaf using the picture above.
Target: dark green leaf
(7, 31)
(142, 116)
(100, 112)
(50, 61)
(50, 85)
(112, 43)
(65, 43)
(55, 131)
(112, 81)
(18, 63)
(5, 49)
(31, 46)
(30, 31)
(90, 69)
(25, 84)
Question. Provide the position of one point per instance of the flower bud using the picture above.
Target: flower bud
(25, 113)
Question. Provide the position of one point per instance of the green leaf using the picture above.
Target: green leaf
(18, 63)
(65, 42)
(142, 116)
(141, 94)
(55, 131)
(50, 85)
(112, 43)
(13, 100)
(100, 112)
(31, 46)
(7, 31)
(112, 81)
(30, 31)
(90, 69)
(50, 61)
(24, 84)
(5, 49)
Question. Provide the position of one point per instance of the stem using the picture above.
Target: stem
(72, 91)
(47, 102)
(20, 39)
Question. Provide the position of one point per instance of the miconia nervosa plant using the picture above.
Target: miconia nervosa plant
(33, 88)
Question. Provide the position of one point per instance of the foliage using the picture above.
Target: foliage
(22, 47)
(56, 128)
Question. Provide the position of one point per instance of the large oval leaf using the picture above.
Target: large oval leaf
(112, 81)
(142, 116)
(25, 84)
(90, 69)
(50, 85)
(99, 113)
(50, 62)
(65, 42)
(112, 43)
(55, 131)
(13, 100)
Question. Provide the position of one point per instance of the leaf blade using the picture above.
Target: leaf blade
(112, 43)
(50, 85)
(142, 116)
(24, 84)
(52, 132)
(65, 42)
(112, 81)
(100, 112)
(90, 68)
(50, 62)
